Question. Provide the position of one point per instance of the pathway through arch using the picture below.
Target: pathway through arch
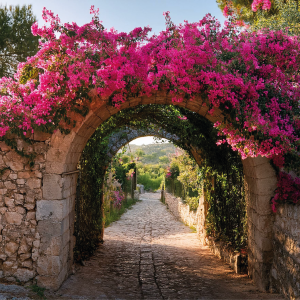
(148, 254)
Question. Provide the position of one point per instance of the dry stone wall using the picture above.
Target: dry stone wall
(20, 189)
(196, 219)
(285, 272)
(182, 212)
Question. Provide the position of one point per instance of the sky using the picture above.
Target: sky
(125, 15)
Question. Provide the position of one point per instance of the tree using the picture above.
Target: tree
(139, 153)
(259, 14)
(16, 40)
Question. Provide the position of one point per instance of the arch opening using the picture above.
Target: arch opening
(55, 203)
(260, 181)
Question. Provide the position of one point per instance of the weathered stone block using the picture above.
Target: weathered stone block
(56, 246)
(56, 154)
(48, 229)
(13, 218)
(10, 185)
(24, 175)
(11, 248)
(25, 256)
(264, 243)
(36, 243)
(3, 210)
(263, 204)
(4, 147)
(9, 202)
(264, 171)
(15, 165)
(33, 183)
(49, 265)
(21, 210)
(52, 187)
(13, 176)
(30, 215)
(52, 209)
(29, 206)
(27, 264)
(24, 275)
(20, 181)
(24, 247)
(3, 191)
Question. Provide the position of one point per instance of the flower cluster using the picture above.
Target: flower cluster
(288, 190)
(168, 172)
(252, 77)
(118, 197)
(261, 4)
(226, 11)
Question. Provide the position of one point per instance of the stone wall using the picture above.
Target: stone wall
(285, 272)
(196, 219)
(191, 218)
(260, 184)
(180, 210)
(20, 189)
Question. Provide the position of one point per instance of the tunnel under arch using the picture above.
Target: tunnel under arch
(46, 198)
(59, 188)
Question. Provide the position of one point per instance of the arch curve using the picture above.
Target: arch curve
(55, 199)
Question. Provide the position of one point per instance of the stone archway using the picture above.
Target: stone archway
(51, 188)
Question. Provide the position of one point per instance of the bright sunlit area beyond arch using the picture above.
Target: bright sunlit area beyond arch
(147, 140)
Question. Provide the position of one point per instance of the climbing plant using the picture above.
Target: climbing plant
(189, 131)
(251, 77)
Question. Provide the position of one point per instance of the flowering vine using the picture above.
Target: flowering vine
(251, 76)
(261, 4)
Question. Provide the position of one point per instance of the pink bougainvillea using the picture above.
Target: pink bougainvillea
(261, 4)
(226, 11)
(252, 77)
(288, 190)
(118, 197)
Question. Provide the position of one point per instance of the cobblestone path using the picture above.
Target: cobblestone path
(148, 254)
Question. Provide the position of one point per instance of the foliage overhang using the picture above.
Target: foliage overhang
(252, 77)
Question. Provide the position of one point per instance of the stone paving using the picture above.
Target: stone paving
(148, 254)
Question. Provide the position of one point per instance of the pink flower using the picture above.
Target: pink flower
(182, 118)
(261, 4)
(225, 11)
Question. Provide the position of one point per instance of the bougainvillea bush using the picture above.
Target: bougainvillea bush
(251, 76)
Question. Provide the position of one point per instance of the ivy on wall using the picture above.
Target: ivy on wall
(189, 131)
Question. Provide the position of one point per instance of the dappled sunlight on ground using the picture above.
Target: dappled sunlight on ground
(147, 254)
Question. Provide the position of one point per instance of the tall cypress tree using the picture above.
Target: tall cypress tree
(16, 39)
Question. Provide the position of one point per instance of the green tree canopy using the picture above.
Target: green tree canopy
(16, 39)
(283, 14)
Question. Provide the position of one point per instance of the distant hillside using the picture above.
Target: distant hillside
(152, 153)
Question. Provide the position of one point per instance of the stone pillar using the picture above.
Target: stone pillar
(55, 215)
(201, 218)
(260, 184)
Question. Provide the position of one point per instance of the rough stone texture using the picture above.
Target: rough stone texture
(285, 272)
(196, 219)
(148, 254)
(181, 211)
(20, 188)
(50, 238)
(260, 184)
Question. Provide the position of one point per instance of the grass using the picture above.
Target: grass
(116, 213)
(38, 290)
(193, 228)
